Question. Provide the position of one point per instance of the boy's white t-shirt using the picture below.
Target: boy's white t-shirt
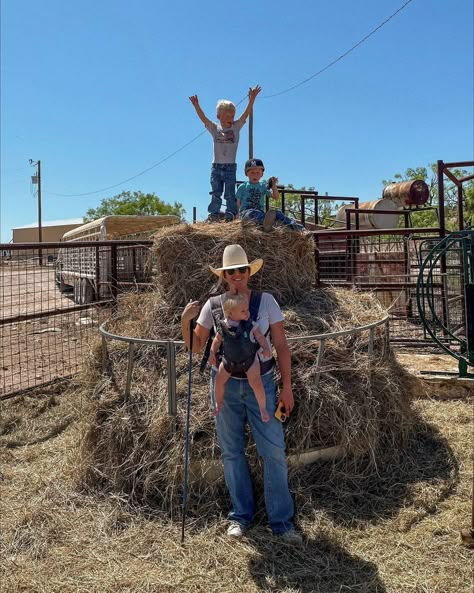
(226, 142)
(269, 313)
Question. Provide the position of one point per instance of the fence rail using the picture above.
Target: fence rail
(171, 346)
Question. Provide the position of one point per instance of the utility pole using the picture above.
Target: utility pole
(36, 180)
(251, 133)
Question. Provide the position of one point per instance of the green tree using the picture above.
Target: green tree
(134, 203)
(469, 203)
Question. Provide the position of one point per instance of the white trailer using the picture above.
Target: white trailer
(87, 272)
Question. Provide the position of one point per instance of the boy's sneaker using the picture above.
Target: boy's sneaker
(213, 217)
(228, 217)
(292, 537)
(269, 220)
(235, 529)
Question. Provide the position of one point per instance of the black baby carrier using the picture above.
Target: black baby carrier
(238, 350)
(218, 316)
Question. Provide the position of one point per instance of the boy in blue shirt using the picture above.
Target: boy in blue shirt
(251, 199)
(226, 140)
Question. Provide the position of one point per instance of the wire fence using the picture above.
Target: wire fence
(52, 299)
(386, 263)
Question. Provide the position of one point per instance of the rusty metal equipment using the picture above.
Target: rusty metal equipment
(407, 193)
(377, 214)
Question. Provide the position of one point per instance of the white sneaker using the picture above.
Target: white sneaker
(235, 529)
(292, 537)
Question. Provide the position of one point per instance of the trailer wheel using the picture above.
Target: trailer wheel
(87, 292)
(77, 291)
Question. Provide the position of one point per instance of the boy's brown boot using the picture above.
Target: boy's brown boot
(269, 220)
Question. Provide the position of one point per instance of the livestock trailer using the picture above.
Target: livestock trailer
(90, 273)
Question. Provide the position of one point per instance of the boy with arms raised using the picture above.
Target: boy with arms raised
(225, 135)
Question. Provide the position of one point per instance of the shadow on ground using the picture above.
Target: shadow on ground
(319, 566)
(424, 473)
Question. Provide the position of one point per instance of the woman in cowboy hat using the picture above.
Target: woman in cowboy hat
(242, 407)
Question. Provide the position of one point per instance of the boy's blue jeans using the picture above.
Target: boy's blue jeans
(240, 406)
(259, 215)
(223, 179)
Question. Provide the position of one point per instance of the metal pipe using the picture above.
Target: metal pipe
(442, 222)
(105, 354)
(370, 347)
(128, 384)
(171, 369)
(460, 207)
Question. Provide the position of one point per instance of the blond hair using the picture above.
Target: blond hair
(224, 105)
(233, 301)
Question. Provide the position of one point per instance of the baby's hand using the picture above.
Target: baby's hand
(266, 352)
(212, 359)
(194, 100)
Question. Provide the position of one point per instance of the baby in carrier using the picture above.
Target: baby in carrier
(241, 340)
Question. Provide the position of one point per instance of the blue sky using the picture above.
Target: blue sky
(98, 91)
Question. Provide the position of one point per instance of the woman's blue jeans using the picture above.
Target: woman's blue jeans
(240, 406)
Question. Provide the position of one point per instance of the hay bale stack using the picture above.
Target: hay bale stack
(182, 256)
(133, 446)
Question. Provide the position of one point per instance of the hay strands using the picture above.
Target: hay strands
(188, 415)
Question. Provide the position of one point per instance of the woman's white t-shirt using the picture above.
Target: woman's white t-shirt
(269, 313)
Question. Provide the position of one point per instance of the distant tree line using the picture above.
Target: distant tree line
(137, 203)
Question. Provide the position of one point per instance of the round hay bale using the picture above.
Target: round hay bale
(182, 256)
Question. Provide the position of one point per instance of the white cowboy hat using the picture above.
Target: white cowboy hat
(235, 257)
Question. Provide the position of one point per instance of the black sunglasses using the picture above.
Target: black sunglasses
(242, 270)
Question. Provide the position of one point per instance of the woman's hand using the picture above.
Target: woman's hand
(286, 396)
(191, 311)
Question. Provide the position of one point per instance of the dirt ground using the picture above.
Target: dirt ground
(39, 350)
(27, 289)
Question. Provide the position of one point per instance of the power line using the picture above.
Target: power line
(130, 178)
(138, 174)
(341, 57)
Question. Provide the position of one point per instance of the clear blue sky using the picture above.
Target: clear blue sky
(98, 91)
